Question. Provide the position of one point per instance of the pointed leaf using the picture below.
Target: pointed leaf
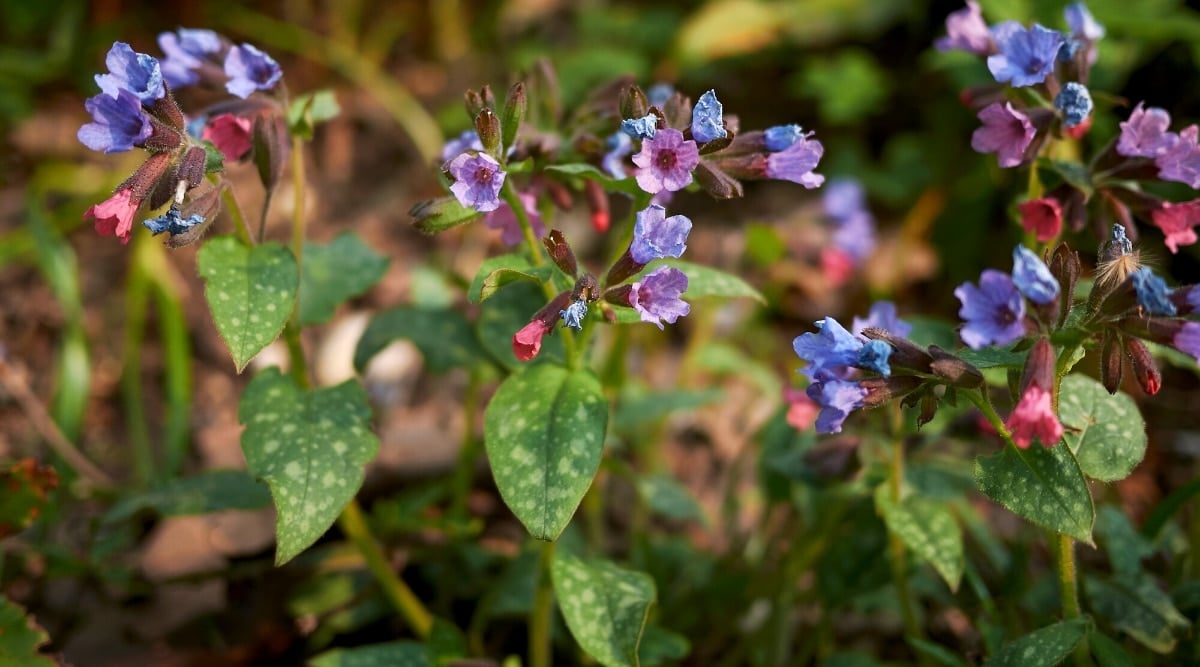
(310, 447)
(927, 528)
(1042, 484)
(390, 654)
(20, 638)
(504, 314)
(442, 334)
(250, 291)
(1108, 652)
(1105, 431)
(705, 281)
(334, 272)
(1136, 605)
(211, 491)
(544, 433)
(666, 496)
(605, 606)
(1046, 647)
(512, 262)
(625, 185)
(310, 109)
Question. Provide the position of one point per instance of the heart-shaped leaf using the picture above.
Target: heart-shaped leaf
(605, 606)
(334, 272)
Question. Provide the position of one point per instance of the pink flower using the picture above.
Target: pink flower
(837, 266)
(230, 134)
(1005, 132)
(1178, 222)
(802, 410)
(527, 342)
(666, 162)
(114, 216)
(1043, 217)
(1034, 418)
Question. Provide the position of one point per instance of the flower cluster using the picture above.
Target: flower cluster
(995, 312)
(136, 109)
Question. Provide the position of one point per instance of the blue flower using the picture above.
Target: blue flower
(837, 398)
(641, 128)
(656, 236)
(118, 124)
(1075, 103)
(249, 70)
(477, 181)
(1032, 277)
(1081, 22)
(833, 349)
(1152, 293)
(172, 222)
(619, 146)
(707, 119)
(1026, 56)
(467, 141)
(796, 163)
(186, 51)
(658, 94)
(844, 199)
(855, 237)
(994, 311)
(882, 315)
(135, 72)
(874, 356)
(779, 137)
(574, 314)
(656, 296)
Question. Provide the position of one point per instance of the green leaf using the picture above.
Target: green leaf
(214, 159)
(309, 109)
(937, 652)
(992, 357)
(310, 447)
(390, 654)
(625, 185)
(1134, 604)
(332, 273)
(20, 638)
(605, 606)
(445, 642)
(504, 314)
(1048, 646)
(1123, 544)
(705, 281)
(438, 215)
(442, 334)
(662, 646)
(544, 430)
(250, 291)
(927, 528)
(1105, 431)
(1042, 484)
(212, 491)
(666, 496)
(1108, 652)
(27, 487)
(496, 272)
(637, 408)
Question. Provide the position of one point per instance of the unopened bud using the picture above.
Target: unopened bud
(633, 102)
(1065, 267)
(882, 390)
(162, 138)
(147, 176)
(715, 181)
(191, 166)
(1145, 370)
(955, 371)
(1112, 360)
(271, 148)
(487, 125)
(678, 111)
(1039, 367)
(474, 103)
(906, 355)
(719, 143)
(560, 251)
(929, 407)
(167, 110)
(559, 194)
(514, 113)
(489, 99)
(597, 200)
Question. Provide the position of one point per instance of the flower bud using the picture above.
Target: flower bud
(162, 138)
(1039, 366)
(1065, 267)
(514, 113)
(271, 148)
(487, 125)
(955, 371)
(881, 390)
(597, 200)
(167, 110)
(489, 98)
(633, 103)
(929, 407)
(474, 103)
(1112, 360)
(1145, 370)
(191, 166)
(560, 251)
(618, 295)
(715, 181)
(147, 176)
(906, 355)
(678, 111)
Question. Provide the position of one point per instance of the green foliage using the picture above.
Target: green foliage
(443, 335)
(310, 109)
(250, 291)
(20, 638)
(544, 430)
(705, 281)
(334, 272)
(391, 654)
(605, 607)
(310, 447)
(1042, 484)
(496, 272)
(1104, 431)
(1045, 647)
(928, 528)
(211, 491)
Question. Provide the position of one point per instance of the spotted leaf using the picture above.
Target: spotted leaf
(310, 447)
(605, 606)
(1045, 647)
(250, 291)
(928, 528)
(1105, 431)
(335, 272)
(1042, 484)
(544, 433)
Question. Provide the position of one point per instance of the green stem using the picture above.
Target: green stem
(464, 471)
(899, 556)
(354, 525)
(239, 220)
(543, 607)
(137, 296)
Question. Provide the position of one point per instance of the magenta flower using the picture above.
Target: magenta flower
(527, 342)
(114, 216)
(796, 163)
(249, 69)
(1145, 133)
(230, 134)
(1178, 222)
(666, 162)
(656, 296)
(1181, 162)
(1043, 217)
(506, 221)
(994, 311)
(967, 31)
(477, 181)
(1034, 418)
(1005, 132)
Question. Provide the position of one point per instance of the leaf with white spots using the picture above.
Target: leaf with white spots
(250, 291)
(1106, 431)
(928, 529)
(443, 335)
(210, 491)
(310, 447)
(1042, 648)
(1136, 604)
(334, 272)
(544, 431)
(1042, 484)
(390, 654)
(605, 606)
(706, 281)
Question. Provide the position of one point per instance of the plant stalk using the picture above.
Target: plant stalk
(543, 608)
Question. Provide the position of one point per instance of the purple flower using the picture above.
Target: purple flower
(1145, 133)
(966, 31)
(1081, 22)
(249, 70)
(656, 296)
(186, 51)
(467, 141)
(505, 220)
(1026, 56)
(833, 350)
(855, 237)
(135, 72)
(118, 124)
(837, 399)
(1032, 277)
(1005, 132)
(1181, 162)
(656, 236)
(707, 119)
(994, 311)
(843, 200)
(1075, 103)
(1153, 295)
(619, 147)
(779, 137)
(666, 162)
(882, 315)
(172, 222)
(477, 181)
(1187, 339)
(640, 128)
(574, 313)
(796, 163)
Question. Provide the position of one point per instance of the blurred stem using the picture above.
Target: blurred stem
(177, 362)
(354, 525)
(896, 545)
(291, 331)
(984, 403)
(235, 212)
(543, 607)
(137, 295)
(464, 471)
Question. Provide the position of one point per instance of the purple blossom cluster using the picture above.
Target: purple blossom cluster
(994, 310)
